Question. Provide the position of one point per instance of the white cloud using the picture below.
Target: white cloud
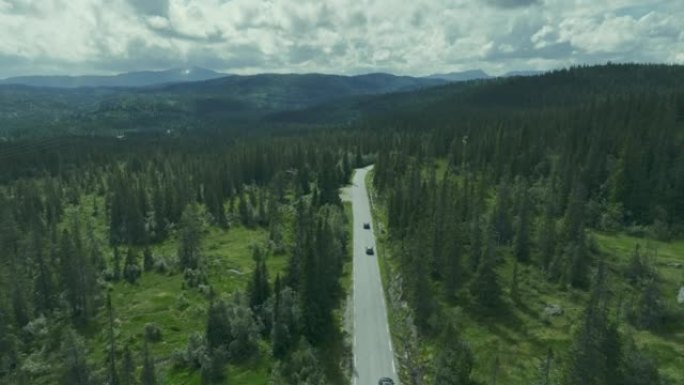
(334, 36)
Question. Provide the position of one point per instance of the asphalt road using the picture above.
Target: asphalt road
(373, 352)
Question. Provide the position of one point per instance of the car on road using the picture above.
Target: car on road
(366, 225)
(386, 381)
(370, 251)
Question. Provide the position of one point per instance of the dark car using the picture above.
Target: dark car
(369, 251)
(386, 381)
(366, 225)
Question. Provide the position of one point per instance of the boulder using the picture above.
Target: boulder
(680, 296)
(553, 310)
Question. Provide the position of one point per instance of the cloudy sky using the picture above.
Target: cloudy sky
(414, 37)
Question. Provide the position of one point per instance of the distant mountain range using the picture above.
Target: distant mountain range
(477, 75)
(128, 79)
(225, 102)
(197, 98)
(198, 74)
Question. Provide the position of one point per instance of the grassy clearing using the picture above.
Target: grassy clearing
(159, 299)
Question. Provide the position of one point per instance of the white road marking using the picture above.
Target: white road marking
(389, 343)
(394, 371)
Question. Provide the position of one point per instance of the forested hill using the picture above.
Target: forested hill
(451, 102)
(225, 104)
(128, 79)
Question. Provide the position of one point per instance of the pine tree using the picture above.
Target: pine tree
(148, 260)
(112, 372)
(128, 368)
(148, 374)
(454, 360)
(76, 274)
(547, 237)
(190, 237)
(76, 370)
(475, 245)
(218, 325)
(116, 273)
(44, 286)
(501, 221)
(573, 223)
(649, 310)
(453, 269)
(485, 287)
(131, 268)
(595, 356)
(286, 318)
(514, 292)
(638, 368)
(521, 245)
(259, 289)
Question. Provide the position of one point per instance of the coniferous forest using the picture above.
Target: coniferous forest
(531, 231)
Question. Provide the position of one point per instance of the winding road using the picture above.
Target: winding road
(373, 353)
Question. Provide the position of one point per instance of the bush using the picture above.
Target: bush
(194, 354)
(152, 332)
(161, 266)
(194, 278)
(182, 302)
(132, 273)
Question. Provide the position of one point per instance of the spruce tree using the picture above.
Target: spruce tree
(128, 368)
(148, 260)
(112, 372)
(116, 269)
(454, 360)
(521, 245)
(148, 374)
(76, 370)
(189, 253)
(259, 289)
(475, 245)
(131, 269)
(485, 287)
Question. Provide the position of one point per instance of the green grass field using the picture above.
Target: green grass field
(158, 298)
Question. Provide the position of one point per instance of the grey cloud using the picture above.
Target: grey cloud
(304, 53)
(170, 33)
(512, 3)
(358, 19)
(151, 7)
(140, 55)
(23, 7)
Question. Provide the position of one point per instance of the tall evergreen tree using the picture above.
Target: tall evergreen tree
(76, 370)
(128, 368)
(485, 287)
(112, 371)
(148, 374)
(191, 228)
(148, 260)
(131, 268)
(259, 288)
(521, 245)
(454, 359)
